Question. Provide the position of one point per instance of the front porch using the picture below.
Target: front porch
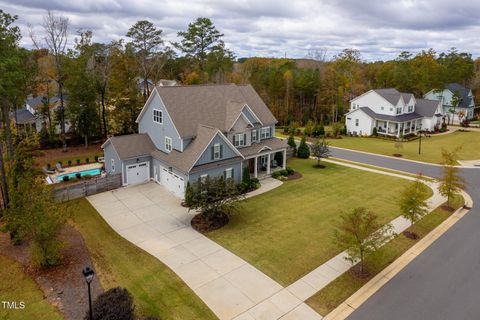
(262, 165)
(397, 129)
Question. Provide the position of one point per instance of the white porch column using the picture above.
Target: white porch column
(284, 165)
(398, 134)
(387, 129)
(403, 129)
(415, 126)
(268, 163)
(255, 173)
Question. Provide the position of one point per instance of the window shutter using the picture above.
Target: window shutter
(225, 175)
(233, 177)
(221, 151)
(212, 151)
(234, 140)
(244, 139)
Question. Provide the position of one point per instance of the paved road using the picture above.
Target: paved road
(444, 281)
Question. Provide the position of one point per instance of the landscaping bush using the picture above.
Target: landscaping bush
(60, 163)
(114, 304)
(78, 175)
(375, 133)
(69, 163)
(281, 173)
(309, 128)
(291, 142)
(290, 171)
(282, 178)
(303, 151)
(276, 174)
(96, 158)
(286, 130)
(66, 178)
(49, 166)
(318, 131)
(78, 161)
(188, 195)
(87, 160)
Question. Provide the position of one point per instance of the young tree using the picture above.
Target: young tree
(320, 149)
(361, 234)
(146, 42)
(291, 142)
(398, 145)
(215, 198)
(200, 39)
(303, 151)
(451, 182)
(412, 202)
(455, 102)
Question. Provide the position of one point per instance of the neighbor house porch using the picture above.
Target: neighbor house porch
(397, 128)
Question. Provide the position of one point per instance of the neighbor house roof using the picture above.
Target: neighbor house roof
(465, 100)
(392, 95)
(132, 145)
(37, 101)
(426, 108)
(211, 105)
(269, 144)
(22, 116)
(400, 118)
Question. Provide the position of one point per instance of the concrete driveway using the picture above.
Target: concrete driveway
(152, 218)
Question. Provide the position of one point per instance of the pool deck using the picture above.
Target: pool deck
(82, 167)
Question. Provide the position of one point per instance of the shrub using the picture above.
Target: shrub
(282, 178)
(96, 158)
(49, 166)
(290, 171)
(375, 133)
(337, 128)
(78, 175)
(116, 303)
(87, 160)
(276, 174)
(286, 130)
(66, 178)
(188, 195)
(309, 126)
(303, 151)
(291, 142)
(78, 161)
(60, 163)
(69, 163)
(318, 131)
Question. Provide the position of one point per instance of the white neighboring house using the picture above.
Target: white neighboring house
(466, 104)
(393, 113)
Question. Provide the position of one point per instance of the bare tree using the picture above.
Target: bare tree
(55, 39)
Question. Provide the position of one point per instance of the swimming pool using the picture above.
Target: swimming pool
(71, 175)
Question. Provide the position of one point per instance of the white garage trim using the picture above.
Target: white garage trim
(142, 172)
(172, 182)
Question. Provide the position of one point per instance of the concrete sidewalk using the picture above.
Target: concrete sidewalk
(153, 219)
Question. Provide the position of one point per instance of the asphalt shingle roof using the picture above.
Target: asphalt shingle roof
(132, 145)
(465, 99)
(426, 107)
(272, 144)
(22, 116)
(400, 118)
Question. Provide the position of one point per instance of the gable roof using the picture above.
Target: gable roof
(392, 95)
(210, 105)
(22, 116)
(184, 161)
(426, 107)
(132, 145)
(464, 94)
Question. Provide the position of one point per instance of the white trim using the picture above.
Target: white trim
(253, 113)
(231, 173)
(171, 144)
(161, 116)
(264, 148)
(137, 164)
(238, 117)
(242, 134)
(372, 90)
(224, 139)
(214, 151)
(145, 106)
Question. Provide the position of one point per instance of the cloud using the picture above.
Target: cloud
(380, 29)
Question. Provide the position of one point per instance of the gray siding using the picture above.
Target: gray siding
(249, 116)
(156, 131)
(134, 160)
(227, 151)
(240, 127)
(109, 153)
(219, 171)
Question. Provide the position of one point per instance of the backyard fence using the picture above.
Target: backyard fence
(85, 188)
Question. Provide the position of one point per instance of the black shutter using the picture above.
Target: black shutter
(212, 151)
(221, 151)
(244, 139)
(233, 177)
(234, 138)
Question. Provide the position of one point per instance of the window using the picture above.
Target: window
(229, 173)
(157, 116)
(239, 140)
(391, 109)
(113, 165)
(168, 144)
(381, 108)
(399, 110)
(254, 135)
(217, 151)
(356, 122)
(265, 132)
(410, 108)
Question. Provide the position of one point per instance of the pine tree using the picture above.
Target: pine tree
(303, 149)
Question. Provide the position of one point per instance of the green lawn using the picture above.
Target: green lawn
(17, 286)
(156, 289)
(347, 284)
(287, 232)
(431, 147)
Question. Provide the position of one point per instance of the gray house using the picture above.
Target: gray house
(465, 109)
(187, 133)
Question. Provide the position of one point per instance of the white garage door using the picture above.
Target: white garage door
(172, 182)
(138, 172)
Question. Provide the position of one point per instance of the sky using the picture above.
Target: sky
(380, 29)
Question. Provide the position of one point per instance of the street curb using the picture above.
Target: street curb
(376, 283)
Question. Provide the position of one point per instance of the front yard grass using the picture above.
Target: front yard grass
(16, 285)
(431, 147)
(157, 290)
(347, 284)
(288, 231)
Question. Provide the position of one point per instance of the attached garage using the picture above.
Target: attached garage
(172, 182)
(137, 173)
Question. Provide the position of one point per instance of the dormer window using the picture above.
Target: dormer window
(265, 133)
(157, 116)
(239, 140)
(399, 110)
(216, 151)
(410, 108)
(254, 135)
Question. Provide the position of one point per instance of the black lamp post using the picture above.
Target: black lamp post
(88, 273)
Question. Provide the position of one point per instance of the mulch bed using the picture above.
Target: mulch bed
(410, 235)
(355, 270)
(294, 176)
(398, 155)
(203, 225)
(64, 286)
(447, 208)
